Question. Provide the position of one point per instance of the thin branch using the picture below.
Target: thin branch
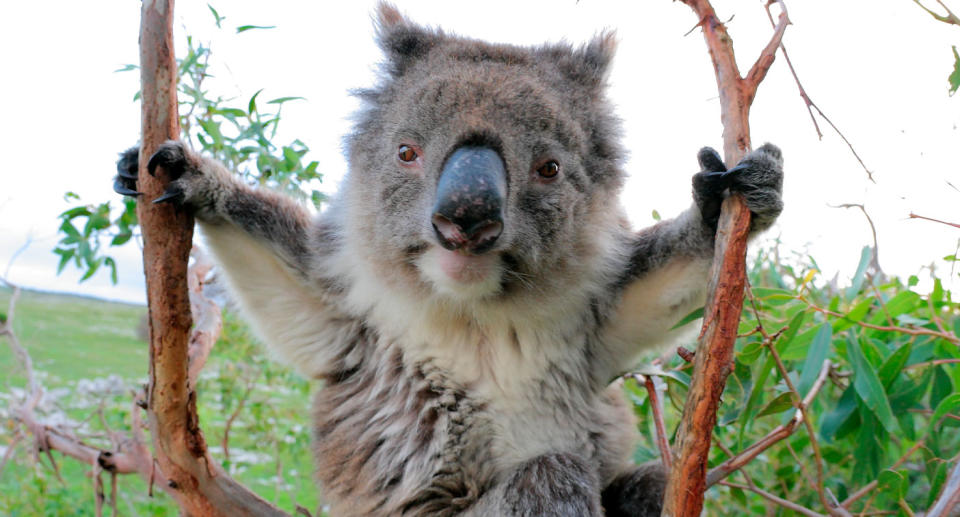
(656, 404)
(762, 65)
(774, 499)
(903, 330)
(875, 260)
(813, 106)
(949, 18)
(737, 462)
(915, 216)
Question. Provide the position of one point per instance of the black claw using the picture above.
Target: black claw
(169, 196)
(120, 188)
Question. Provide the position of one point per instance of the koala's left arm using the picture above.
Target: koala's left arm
(666, 277)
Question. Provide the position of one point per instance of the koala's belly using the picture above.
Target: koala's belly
(390, 439)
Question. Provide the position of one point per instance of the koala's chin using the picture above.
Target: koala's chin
(460, 276)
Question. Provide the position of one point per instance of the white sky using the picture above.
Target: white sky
(878, 69)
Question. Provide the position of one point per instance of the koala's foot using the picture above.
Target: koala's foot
(758, 177)
(638, 493)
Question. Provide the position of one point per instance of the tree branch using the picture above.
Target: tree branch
(200, 486)
(714, 357)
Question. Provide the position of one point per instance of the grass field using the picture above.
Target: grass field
(77, 343)
(73, 337)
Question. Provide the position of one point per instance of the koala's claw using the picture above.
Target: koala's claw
(710, 160)
(172, 195)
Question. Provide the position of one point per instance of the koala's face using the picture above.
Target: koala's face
(485, 170)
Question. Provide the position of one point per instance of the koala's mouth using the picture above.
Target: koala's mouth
(466, 268)
(461, 275)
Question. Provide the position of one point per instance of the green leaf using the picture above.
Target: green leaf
(65, 256)
(113, 269)
(693, 316)
(894, 364)
(954, 78)
(281, 100)
(854, 316)
(94, 266)
(773, 296)
(869, 388)
(816, 355)
(121, 238)
(942, 386)
(127, 68)
(857, 282)
(655, 215)
(903, 302)
(893, 483)
(836, 418)
(937, 477)
(252, 105)
(245, 28)
(947, 405)
(779, 404)
(216, 16)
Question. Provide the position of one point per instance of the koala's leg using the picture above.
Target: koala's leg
(666, 275)
(638, 493)
(560, 485)
(264, 244)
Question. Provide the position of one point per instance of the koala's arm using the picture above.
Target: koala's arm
(666, 275)
(265, 245)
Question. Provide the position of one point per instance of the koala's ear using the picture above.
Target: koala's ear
(402, 41)
(590, 64)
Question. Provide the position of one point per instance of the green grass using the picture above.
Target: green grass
(73, 337)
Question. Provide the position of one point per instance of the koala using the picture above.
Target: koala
(473, 289)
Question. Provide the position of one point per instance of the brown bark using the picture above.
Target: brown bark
(714, 358)
(198, 484)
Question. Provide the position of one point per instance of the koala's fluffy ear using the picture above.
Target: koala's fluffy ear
(402, 41)
(589, 64)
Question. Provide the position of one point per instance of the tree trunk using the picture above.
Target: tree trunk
(199, 485)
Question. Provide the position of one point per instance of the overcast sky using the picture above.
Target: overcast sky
(878, 70)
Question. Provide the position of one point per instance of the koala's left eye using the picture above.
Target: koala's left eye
(548, 170)
(407, 154)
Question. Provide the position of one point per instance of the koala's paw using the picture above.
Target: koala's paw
(177, 161)
(758, 177)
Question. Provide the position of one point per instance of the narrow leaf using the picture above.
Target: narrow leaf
(869, 388)
(245, 28)
(693, 316)
(816, 355)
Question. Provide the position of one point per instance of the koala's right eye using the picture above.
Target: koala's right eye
(407, 154)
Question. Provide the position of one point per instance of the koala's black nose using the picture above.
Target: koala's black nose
(468, 213)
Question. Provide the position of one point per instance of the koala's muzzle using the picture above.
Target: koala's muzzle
(468, 214)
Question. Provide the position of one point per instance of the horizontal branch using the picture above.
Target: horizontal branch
(774, 499)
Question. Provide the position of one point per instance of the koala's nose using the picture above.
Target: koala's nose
(468, 213)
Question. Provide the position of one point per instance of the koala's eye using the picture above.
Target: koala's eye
(407, 154)
(548, 170)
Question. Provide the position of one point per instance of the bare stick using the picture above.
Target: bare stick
(812, 106)
(774, 499)
(875, 260)
(949, 18)
(915, 216)
(657, 406)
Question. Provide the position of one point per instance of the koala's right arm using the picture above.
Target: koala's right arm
(264, 242)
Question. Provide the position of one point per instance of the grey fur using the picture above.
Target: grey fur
(488, 399)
